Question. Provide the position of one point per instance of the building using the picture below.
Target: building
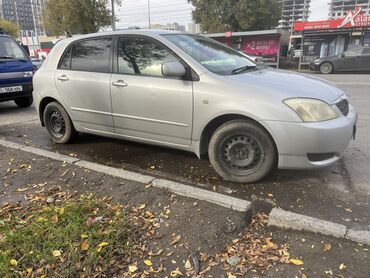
(27, 14)
(339, 8)
(293, 11)
(169, 26)
(194, 28)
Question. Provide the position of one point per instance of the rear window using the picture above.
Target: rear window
(92, 55)
(9, 49)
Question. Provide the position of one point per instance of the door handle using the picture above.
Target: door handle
(63, 78)
(120, 83)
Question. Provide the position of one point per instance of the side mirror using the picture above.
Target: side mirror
(173, 69)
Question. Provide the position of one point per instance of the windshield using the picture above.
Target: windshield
(9, 49)
(213, 55)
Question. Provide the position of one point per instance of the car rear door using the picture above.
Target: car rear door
(146, 104)
(83, 81)
(350, 61)
(365, 59)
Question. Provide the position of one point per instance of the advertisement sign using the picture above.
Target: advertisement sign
(266, 47)
(354, 19)
(315, 47)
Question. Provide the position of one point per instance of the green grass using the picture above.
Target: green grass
(31, 234)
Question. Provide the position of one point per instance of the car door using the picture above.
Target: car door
(83, 81)
(147, 105)
(349, 61)
(365, 59)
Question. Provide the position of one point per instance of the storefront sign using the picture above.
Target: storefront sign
(266, 47)
(354, 19)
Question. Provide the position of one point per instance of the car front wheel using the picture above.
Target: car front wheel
(58, 123)
(24, 101)
(242, 151)
(326, 68)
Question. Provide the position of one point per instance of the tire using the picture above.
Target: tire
(326, 68)
(58, 123)
(242, 151)
(24, 101)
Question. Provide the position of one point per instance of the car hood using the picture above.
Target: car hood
(287, 84)
(7, 66)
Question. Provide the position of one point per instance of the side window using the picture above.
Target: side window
(142, 56)
(91, 55)
(65, 62)
(354, 52)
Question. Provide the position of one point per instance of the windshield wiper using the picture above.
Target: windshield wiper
(239, 70)
(12, 58)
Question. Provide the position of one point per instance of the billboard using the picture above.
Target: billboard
(267, 47)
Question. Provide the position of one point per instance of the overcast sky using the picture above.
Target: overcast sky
(135, 12)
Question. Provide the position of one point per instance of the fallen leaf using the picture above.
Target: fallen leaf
(187, 264)
(83, 236)
(148, 262)
(296, 262)
(327, 247)
(54, 218)
(342, 266)
(304, 275)
(13, 262)
(142, 206)
(57, 253)
(132, 268)
(175, 240)
(101, 245)
(229, 275)
(85, 245)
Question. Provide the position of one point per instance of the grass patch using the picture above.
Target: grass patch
(64, 236)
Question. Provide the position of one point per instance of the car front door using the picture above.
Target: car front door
(146, 104)
(83, 81)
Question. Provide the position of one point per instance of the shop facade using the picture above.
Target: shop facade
(320, 39)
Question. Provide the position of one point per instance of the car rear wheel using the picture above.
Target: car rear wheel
(326, 68)
(242, 151)
(58, 123)
(24, 101)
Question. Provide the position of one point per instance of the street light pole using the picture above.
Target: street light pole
(113, 17)
(149, 12)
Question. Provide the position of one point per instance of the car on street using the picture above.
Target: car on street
(192, 93)
(37, 63)
(16, 71)
(354, 59)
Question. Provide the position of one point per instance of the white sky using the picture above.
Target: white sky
(135, 12)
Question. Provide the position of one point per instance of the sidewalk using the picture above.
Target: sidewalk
(190, 229)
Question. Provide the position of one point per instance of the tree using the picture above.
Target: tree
(77, 16)
(236, 15)
(9, 27)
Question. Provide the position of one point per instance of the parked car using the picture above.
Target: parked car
(16, 71)
(355, 59)
(37, 63)
(192, 93)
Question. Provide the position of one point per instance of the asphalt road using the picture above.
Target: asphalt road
(340, 193)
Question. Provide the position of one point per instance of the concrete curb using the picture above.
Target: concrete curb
(204, 195)
(277, 217)
(289, 220)
(177, 188)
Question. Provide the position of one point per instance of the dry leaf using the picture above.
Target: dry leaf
(132, 268)
(13, 262)
(229, 275)
(54, 218)
(187, 264)
(148, 262)
(175, 240)
(57, 253)
(296, 262)
(101, 245)
(342, 266)
(327, 247)
(85, 245)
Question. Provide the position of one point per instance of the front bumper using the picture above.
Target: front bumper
(27, 89)
(297, 143)
(314, 67)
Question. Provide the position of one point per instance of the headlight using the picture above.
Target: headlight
(312, 110)
(317, 61)
(28, 73)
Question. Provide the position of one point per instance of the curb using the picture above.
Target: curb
(277, 217)
(177, 188)
(289, 220)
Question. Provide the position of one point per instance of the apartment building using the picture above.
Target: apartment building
(339, 8)
(293, 11)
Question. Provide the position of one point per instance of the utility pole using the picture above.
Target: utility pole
(113, 17)
(149, 12)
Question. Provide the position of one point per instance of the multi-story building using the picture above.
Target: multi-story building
(194, 28)
(27, 14)
(293, 11)
(339, 8)
(169, 26)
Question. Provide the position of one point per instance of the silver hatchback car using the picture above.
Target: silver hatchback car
(192, 93)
